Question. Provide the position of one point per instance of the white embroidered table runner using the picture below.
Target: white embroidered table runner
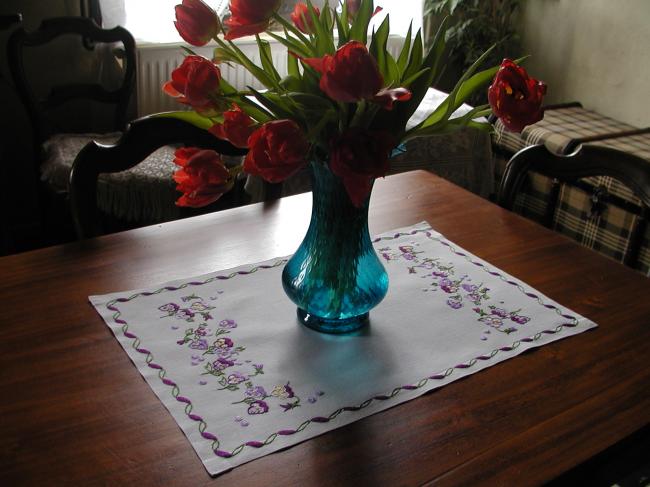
(227, 357)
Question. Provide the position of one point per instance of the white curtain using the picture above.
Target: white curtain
(113, 13)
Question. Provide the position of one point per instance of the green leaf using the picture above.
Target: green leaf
(226, 88)
(342, 27)
(275, 104)
(224, 55)
(253, 110)
(378, 43)
(292, 65)
(466, 85)
(415, 59)
(407, 82)
(242, 59)
(291, 83)
(190, 117)
(292, 44)
(267, 61)
(323, 35)
(311, 102)
(429, 128)
(404, 54)
(288, 26)
(359, 29)
(395, 120)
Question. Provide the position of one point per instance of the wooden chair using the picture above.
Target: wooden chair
(57, 109)
(142, 138)
(604, 168)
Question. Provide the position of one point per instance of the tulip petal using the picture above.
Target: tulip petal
(386, 97)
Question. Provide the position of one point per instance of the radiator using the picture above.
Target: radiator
(156, 62)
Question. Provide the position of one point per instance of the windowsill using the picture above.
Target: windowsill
(248, 40)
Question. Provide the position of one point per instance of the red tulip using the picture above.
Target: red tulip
(515, 97)
(249, 17)
(196, 22)
(302, 18)
(202, 177)
(236, 127)
(278, 149)
(352, 74)
(196, 83)
(358, 156)
(353, 9)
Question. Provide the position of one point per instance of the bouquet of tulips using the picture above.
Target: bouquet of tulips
(344, 102)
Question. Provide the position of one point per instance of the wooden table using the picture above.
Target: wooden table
(75, 409)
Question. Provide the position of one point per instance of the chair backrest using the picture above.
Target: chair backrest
(141, 138)
(38, 108)
(588, 161)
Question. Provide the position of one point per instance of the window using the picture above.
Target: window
(401, 12)
(153, 20)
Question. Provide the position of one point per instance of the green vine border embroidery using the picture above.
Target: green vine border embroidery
(202, 425)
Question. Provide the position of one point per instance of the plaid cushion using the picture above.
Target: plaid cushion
(560, 129)
(639, 145)
(607, 231)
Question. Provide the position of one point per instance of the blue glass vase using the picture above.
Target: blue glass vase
(335, 277)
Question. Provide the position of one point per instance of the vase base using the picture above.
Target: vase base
(329, 325)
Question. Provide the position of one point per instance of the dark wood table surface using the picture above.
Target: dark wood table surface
(76, 411)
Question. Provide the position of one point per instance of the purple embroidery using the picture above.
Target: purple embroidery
(500, 312)
(284, 392)
(256, 392)
(222, 364)
(457, 289)
(200, 344)
(224, 343)
(236, 378)
(185, 314)
(201, 338)
(258, 407)
(228, 324)
(170, 308)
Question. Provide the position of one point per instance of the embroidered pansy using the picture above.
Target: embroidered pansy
(454, 304)
(185, 314)
(470, 288)
(228, 324)
(199, 306)
(284, 392)
(236, 378)
(258, 407)
(222, 363)
(522, 320)
(492, 321)
(170, 308)
(502, 313)
(226, 353)
(200, 344)
(223, 343)
(449, 289)
(201, 330)
(407, 252)
(257, 392)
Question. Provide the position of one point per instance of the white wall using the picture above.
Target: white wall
(593, 51)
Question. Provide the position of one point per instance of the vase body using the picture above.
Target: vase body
(335, 276)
